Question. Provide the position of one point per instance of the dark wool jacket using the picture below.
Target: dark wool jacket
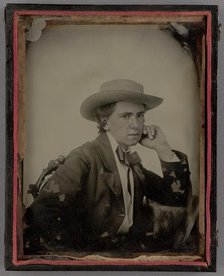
(83, 200)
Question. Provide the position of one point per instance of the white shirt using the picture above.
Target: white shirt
(128, 200)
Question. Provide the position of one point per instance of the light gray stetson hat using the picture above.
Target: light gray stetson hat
(117, 90)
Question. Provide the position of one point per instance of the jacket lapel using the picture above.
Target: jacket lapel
(103, 147)
(139, 173)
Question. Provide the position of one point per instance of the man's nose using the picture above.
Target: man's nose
(134, 122)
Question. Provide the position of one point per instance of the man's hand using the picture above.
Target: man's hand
(155, 139)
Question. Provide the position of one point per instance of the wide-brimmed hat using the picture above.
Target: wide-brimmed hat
(116, 91)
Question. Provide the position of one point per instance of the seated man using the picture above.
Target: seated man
(95, 200)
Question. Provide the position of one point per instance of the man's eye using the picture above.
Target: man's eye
(141, 115)
(125, 116)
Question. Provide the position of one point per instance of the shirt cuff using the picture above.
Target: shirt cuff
(175, 158)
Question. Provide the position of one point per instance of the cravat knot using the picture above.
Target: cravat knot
(127, 158)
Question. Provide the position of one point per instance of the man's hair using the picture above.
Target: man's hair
(102, 113)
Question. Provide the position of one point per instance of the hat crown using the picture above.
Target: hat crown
(122, 85)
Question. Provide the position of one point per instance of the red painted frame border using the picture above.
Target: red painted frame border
(15, 260)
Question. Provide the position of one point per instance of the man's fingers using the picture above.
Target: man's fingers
(150, 132)
(145, 130)
(153, 131)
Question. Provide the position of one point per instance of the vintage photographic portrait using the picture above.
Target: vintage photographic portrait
(112, 133)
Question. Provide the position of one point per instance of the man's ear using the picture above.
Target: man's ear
(105, 124)
(106, 127)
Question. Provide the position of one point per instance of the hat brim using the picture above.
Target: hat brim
(89, 106)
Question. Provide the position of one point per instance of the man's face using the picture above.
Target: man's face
(126, 123)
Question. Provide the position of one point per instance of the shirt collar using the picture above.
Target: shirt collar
(113, 142)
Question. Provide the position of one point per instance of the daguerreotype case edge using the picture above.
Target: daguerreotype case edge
(18, 18)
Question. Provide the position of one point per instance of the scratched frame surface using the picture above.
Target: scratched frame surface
(17, 18)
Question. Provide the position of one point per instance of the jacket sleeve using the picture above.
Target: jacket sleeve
(175, 186)
(48, 217)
